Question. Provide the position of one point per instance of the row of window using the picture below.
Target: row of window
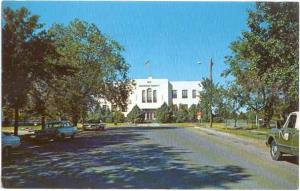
(151, 96)
(184, 94)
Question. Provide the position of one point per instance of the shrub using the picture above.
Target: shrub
(182, 115)
(118, 117)
(136, 115)
(193, 110)
(164, 114)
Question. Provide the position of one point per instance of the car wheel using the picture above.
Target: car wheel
(73, 136)
(275, 153)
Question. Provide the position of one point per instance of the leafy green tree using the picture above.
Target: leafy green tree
(136, 115)
(268, 53)
(102, 71)
(234, 100)
(211, 95)
(28, 58)
(164, 113)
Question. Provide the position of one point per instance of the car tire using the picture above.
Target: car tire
(73, 136)
(274, 151)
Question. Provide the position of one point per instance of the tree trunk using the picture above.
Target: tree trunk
(75, 119)
(268, 113)
(43, 121)
(16, 125)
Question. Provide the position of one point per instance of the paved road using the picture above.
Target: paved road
(153, 157)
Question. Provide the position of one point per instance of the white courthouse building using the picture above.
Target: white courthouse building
(149, 94)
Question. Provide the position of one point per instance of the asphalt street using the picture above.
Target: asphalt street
(149, 157)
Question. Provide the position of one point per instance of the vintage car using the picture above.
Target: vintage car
(9, 142)
(56, 130)
(285, 140)
(93, 125)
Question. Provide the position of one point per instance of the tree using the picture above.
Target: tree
(102, 71)
(211, 95)
(27, 52)
(269, 53)
(164, 113)
(234, 100)
(136, 115)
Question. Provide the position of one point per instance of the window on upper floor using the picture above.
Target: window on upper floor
(143, 96)
(174, 94)
(184, 94)
(194, 94)
(154, 96)
(149, 95)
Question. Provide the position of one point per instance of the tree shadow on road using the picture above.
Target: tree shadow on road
(115, 159)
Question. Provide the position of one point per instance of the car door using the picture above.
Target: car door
(288, 134)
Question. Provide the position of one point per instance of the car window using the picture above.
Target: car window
(67, 124)
(292, 121)
(56, 125)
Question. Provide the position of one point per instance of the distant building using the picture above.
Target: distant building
(149, 94)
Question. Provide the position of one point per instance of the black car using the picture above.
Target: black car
(93, 125)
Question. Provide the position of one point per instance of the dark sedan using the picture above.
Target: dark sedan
(93, 125)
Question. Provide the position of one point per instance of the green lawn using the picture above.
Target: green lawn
(249, 132)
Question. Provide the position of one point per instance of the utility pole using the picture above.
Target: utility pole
(211, 96)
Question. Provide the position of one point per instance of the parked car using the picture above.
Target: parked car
(9, 142)
(285, 140)
(56, 130)
(93, 125)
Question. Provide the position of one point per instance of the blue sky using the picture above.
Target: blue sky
(174, 36)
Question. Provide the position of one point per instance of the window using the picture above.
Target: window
(143, 96)
(184, 94)
(149, 95)
(194, 94)
(154, 96)
(292, 121)
(174, 94)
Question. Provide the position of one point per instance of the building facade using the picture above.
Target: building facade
(149, 94)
